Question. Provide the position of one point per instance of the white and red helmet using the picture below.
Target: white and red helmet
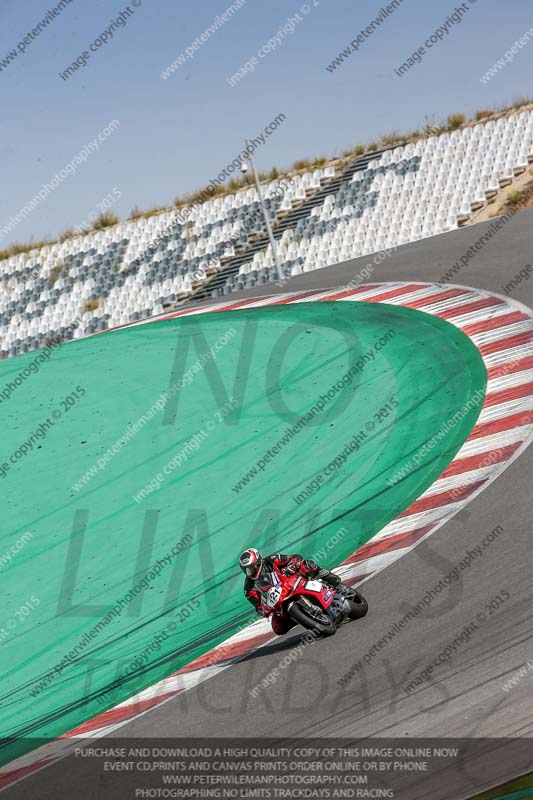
(251, 562)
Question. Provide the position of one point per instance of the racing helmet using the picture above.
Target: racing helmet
(251, 562)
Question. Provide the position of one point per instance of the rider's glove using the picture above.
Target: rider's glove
(260, 612)
(293, 566)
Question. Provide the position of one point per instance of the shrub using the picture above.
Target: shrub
(274, 173)
(518, 102)
(153, 211)
(372, 146)
(135, 213)
(391, 138)
(105, 220)
(26, 248)
(358, 150)
(302, 163)
(16, 248)
(199, 196)
(456, 120)
(433, 129)
(515, 198)
(320, 161)
(483, 114)
(55, 273)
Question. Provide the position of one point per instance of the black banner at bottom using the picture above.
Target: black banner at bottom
(150, 769)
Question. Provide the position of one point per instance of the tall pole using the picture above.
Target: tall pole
(265, 215)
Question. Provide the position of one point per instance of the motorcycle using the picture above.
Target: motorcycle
(310, 603)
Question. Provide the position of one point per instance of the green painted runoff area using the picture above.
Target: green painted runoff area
(124, 509)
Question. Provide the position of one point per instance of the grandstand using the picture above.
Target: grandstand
(139, 268)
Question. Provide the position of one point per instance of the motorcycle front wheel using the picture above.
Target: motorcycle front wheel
(299, 614)
(357, 605)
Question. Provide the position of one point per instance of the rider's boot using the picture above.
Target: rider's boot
(329, 577)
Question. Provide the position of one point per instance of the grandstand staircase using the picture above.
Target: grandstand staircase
(233, 265)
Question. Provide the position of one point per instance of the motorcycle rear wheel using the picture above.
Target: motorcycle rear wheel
(306, 620)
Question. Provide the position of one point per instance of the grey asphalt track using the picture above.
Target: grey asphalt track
(464, 698)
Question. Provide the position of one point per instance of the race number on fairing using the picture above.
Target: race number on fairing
(273, 595)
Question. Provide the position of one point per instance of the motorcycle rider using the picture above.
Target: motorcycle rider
(253, 564)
